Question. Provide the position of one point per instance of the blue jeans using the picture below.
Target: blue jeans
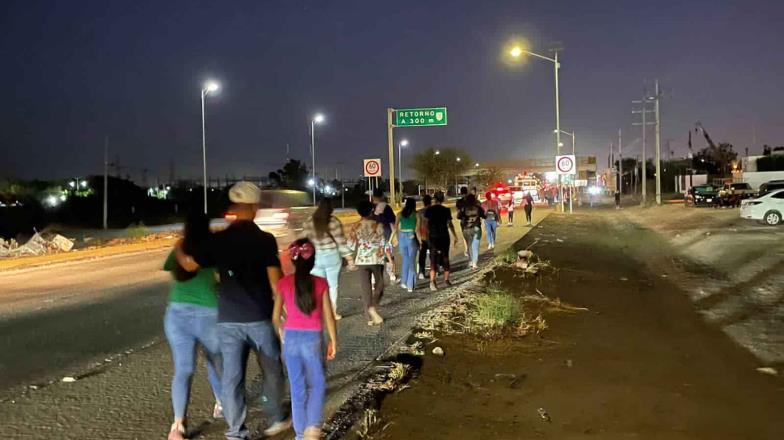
(304, 355)
(327, 265)
(408, 246)
(187, 325)
(236, 341)
(490, 227)
(472, 237)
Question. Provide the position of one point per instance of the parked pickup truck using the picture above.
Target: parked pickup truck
(731, 194)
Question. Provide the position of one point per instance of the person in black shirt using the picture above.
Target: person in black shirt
(470, 216)
(528, 207)
(246, 259)
(459, 205)
(439, 222)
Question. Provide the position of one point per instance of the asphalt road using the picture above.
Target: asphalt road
(63, 318)
(68, 318)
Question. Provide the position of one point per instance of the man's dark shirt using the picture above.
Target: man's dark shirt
(241, 253)
(438, 218)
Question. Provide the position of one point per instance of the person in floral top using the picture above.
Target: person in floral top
(366, 238)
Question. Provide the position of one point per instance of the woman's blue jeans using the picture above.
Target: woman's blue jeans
(408, 247)
(304, 356)
(490, 227)
(327, 265)
(187, 325)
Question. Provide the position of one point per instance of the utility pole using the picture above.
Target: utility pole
(658, 143)
(643, 111)
(620, 162)
(106, 182)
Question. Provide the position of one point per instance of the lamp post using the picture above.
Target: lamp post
(209, 87)
(318, 119)
(403, 143)
(457, 190)
(517, 52)
(571, 195)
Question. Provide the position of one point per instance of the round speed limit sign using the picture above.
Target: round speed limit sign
(564, 164)
(372, 167)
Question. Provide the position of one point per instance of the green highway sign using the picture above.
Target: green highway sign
(420, 117)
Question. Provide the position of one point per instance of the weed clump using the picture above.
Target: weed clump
(495, 310)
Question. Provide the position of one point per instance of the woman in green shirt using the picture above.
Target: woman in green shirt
(191, 319)
(406, 235)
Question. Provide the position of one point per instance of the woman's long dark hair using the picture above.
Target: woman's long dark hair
(303, 281)
(409, 208)
(322, 216)
(196, 232)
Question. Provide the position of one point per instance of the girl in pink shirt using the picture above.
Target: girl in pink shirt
(304, 298)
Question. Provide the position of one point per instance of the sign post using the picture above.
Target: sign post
(566, 165)
(409, 117)
(371, 168)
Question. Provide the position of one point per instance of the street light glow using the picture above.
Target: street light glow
(311, 182)
(437, 152)
(516, 51)
(319, 118)
(72, 184)
(84, 184)
(476, 164)
(211, 87)
(404, 143)
(458, 159)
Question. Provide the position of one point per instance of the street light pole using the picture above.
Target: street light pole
(400, 145)
(318, 119)
(517, 52)
(106, 182)
(313, 157)
(209, 87)
(204, 149)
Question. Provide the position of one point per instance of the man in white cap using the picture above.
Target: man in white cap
(247, 260)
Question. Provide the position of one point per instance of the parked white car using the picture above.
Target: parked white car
(767, 208)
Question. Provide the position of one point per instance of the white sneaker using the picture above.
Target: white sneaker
(217, 411)
(421, 277)
(392, 277)
(277, 428)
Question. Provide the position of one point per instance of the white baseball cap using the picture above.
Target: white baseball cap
(245, 192)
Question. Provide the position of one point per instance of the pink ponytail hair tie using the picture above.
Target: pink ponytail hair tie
(306, 251)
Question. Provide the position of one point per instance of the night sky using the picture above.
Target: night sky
(75, 71)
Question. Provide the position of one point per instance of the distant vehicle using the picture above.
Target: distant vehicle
(731, 194)
(701, 195)
(770, 186)
(266, 217)
(767, 208)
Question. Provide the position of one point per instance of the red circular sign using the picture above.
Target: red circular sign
(372, 168)
(565, 164)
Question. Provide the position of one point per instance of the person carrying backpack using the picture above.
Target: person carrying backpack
(470, 216)
(492, 213)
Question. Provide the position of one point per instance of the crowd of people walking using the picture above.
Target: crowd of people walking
(229, 296)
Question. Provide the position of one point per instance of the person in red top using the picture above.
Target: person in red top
(305, 300)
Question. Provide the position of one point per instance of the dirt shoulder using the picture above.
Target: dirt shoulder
(640, 363)
(85, 254)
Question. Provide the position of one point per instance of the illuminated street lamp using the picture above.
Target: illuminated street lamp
(570, 134)
(209, 87)
(403, 143)
(317, 119)
(517, 52)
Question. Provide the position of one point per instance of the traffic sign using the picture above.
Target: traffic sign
(372, 167)
(565, 164)
(420, 117)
